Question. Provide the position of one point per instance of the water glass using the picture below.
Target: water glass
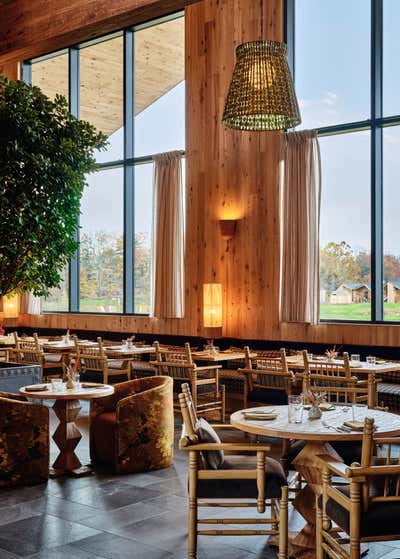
(359, 412)
(76, 380)
(129, 344)
(295, 409)
(371, 360)
(57, 385)
(355, 359)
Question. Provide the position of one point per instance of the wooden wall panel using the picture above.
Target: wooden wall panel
(229, 174)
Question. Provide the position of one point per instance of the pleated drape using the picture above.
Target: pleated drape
(300, 219)
(168, 237)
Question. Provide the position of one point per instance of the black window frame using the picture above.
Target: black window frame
(375, 125)
(127, 163)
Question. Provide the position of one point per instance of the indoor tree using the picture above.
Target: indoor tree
(45, 154)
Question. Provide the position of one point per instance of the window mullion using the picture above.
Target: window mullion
(129, 174)
(376, 163)
(73, 80)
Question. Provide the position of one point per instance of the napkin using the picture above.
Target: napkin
(92, 385)
(355, 425)
(260, 415)
(36, 388)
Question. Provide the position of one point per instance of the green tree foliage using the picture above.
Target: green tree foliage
(102, 265)
(338, 265)
(45, 154)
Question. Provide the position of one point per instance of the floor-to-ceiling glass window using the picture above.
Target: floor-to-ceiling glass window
(346, 83)
(130, 85)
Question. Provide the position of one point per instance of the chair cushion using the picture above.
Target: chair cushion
(213, 458)
(349, 451)
(52, 357)
(267, 396)
(388, 388)
(381, 519)
(117, 365)
(103, 436)
(243, 488)
(141, 366)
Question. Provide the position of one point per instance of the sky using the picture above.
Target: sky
(159, 128)
(332, 77)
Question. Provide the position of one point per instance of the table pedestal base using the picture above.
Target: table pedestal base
(67, 437)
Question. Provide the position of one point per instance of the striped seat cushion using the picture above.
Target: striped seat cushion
(389, 388)
(53, 358)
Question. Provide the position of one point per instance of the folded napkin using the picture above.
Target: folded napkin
(354, 425)
(261, 415)
(326, 406)
(36, 388)
(92, 385)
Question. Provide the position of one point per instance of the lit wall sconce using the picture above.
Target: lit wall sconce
(212, 309)
(228, 228)
(11, 306)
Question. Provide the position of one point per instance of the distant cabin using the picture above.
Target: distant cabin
(348, 293)
(392, 292)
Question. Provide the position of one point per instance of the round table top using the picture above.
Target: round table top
(387, 424)
(72, 394)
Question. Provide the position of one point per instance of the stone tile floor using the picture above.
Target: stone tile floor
(141, 516)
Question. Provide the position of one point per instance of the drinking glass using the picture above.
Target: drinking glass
(355, 359)
(295, 409)
(76, 380)
(371, 360)
(129, 344)
(359, 412)
(57, 384)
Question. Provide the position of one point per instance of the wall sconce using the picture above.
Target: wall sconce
(11, 306)
(228, 228)
(212, 309)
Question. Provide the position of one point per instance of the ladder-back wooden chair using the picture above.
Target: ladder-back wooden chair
(336, 381)
(95, 360)
(208, 394)
(367, 508)
(270, 380)
(30, 352)
(237, 481)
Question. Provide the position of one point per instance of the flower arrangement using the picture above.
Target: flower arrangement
(71, 372)
(332, 353)
(314, 398)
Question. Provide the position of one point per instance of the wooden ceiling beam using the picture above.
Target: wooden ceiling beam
(29, 29)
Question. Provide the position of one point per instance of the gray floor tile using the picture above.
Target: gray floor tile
(111, 547)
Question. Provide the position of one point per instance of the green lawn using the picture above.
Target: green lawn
(358, 311)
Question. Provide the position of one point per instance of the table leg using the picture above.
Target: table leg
(67, 437)
(307, 464)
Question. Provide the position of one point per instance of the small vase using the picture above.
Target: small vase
(314, 412)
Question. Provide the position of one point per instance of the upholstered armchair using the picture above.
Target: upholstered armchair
(24, 441)
(133, 430)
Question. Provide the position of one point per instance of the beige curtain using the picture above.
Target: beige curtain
(168, 236)
(29, 304)
(300, 215)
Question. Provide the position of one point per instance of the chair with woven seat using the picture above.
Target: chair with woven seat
(367, 507)
(208, 395)
(133, 429)
(30, 352)
(257, 481)
(270, 380)
(24, 441)
(95, 360)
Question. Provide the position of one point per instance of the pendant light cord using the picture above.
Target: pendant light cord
(262, 19)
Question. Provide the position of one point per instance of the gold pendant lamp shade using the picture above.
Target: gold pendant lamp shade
(261, 95)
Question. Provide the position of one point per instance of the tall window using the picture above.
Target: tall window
(347, 87)
(131, 87)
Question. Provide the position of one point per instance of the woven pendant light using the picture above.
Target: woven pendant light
(261, 95)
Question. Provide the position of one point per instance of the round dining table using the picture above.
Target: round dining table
(67, 435)
(317, 435)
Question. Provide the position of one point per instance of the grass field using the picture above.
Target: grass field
(358, 311)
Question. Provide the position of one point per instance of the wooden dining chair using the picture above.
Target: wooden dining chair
(269, 378)
(95, 360)
(208, 394)
(336, 381)
(217, 480)
(367, 507)
(30, 352)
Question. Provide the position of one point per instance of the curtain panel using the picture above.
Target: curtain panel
(168, 236)
(300, 219)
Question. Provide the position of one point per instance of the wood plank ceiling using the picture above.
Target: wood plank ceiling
(159, 66)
